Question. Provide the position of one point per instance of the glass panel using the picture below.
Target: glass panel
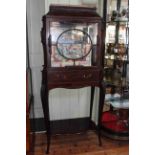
(59, 61)
(117, 10)
(110, 33)
(72, 43)
(123, 33)
(124, 5)
(111, 6)
(116, 50)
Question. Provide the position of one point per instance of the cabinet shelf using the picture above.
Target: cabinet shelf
(111, 84)
(118, 59)
(126, 44)
(119, 103)
(118, 21)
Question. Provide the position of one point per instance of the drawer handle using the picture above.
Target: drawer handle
(87, 76)
(64, 77)
(57, 75)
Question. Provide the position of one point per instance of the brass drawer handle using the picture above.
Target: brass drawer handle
(64, 77)
(87, 76)
(57, 75)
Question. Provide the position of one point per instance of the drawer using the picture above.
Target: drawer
(73, 76)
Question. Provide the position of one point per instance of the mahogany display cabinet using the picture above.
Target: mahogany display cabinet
(73, 43)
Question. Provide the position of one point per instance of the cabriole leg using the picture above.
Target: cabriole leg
(44, 99)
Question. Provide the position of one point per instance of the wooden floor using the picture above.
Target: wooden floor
(80, 144)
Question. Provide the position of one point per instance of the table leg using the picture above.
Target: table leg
(100, 110)
(91, 101)
(44, 99)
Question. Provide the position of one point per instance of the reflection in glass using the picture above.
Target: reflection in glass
(115, 12)
(110, 34)
(72, 43)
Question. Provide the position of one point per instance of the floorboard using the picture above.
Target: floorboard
(79, 144)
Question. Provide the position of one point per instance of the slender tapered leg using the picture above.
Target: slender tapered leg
(100, 110)
(44, 99)
(91, 101)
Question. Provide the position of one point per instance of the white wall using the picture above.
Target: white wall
(35, 11)
(63, 103)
